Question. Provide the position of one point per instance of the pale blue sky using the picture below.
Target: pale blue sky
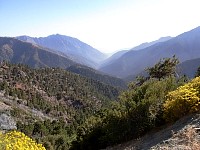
(107, 25)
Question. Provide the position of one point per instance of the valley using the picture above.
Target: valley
(99, 75)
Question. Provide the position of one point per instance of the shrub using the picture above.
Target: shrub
(184, 100)
(18, 141)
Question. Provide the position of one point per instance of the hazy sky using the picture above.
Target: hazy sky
(107, 25)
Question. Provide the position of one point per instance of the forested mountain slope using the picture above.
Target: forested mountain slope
(54, 99)
(54, 84)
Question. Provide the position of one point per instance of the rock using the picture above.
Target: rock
(7, 122)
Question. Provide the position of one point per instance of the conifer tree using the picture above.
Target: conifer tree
(164, 68)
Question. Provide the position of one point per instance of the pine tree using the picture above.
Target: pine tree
(164, 68)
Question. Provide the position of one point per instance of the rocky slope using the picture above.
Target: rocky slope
(183, 134)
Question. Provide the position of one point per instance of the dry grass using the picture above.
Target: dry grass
(187, 139)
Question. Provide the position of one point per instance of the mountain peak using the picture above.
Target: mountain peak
(71, 47)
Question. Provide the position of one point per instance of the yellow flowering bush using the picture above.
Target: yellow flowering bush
(184, 100)
(15, 140)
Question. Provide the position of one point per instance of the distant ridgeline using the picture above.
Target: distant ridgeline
(185, 46)
(97, 75)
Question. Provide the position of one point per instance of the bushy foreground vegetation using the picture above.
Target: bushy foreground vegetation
(18, 141)
(54, 135)
(139, 109)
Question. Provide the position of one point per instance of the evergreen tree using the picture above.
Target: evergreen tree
(165, 67)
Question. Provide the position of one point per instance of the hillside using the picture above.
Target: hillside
(75, 49)
(96, 75)
(17, 51)
(53, 86)
(53, 98)
(185, 47)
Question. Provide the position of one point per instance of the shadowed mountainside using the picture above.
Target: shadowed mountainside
(17, 51)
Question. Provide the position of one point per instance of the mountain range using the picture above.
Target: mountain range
(67, 52)
(118, 54)
(73, 48)
(185, 46)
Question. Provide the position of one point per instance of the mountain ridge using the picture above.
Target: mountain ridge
(119, 54)
(185, 46)
(17, 51)
(72, 47)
